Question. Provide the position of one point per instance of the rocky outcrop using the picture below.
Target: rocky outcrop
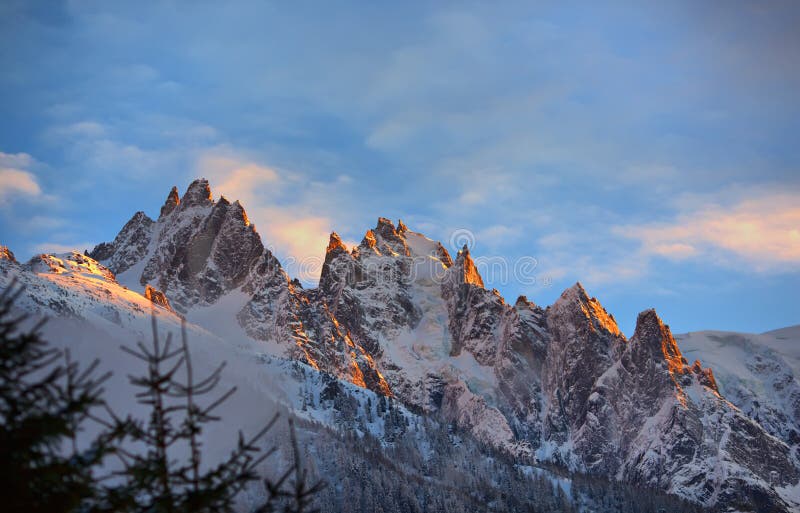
(173, 200)
(6, 255)
(157, 297)
(474, 312)
(584, 343)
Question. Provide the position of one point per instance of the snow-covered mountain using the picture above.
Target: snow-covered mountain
(757, 373)
(400, 317)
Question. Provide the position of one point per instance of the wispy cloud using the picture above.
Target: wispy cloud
(762, 232)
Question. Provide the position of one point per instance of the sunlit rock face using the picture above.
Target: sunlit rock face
(398, 315)
(6, 255)
(173, 200)
(157, 297)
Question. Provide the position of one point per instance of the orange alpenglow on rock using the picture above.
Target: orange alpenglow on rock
(157, 297)
(173, 200)
(470, 272)
(335, 242)
(369, 239)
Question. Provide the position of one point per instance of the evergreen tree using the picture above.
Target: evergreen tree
(154, 481)
(44, 400)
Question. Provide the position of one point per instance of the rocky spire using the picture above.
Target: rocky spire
(522, 302)
(655, 338)
(198, 194)
(401, 227)
(238, 210)
(128, 247)
(337, 268)
(385, 227)
(6, 254)
(465, 268)
(575, 298)
(389, 239)
(335, 243)
(443, 255)
(652, 340)
(173, 200)
(369, 240)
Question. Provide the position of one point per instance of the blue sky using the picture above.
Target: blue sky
(649, 150)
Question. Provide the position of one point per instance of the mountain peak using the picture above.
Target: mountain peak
(335, 243)
(444, 255)
(575, 292)
(576, 296)
(238, 211)
(385, 221)
(173, 200)
(385, 228)
(198, 194)
(465, 266)
(369, 240)
(657, 339)
(6, 254)
(385, 239)
(523, 301)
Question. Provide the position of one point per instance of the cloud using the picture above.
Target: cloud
(761, 231)
(233, 176)
(16, 160)
(497, 235)
(103, 152)
(91, 129)
(288, 228)
(302, 239)
(15, 181)
(592, 257)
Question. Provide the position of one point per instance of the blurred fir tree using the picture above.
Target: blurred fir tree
(156, 480)
(44, 400)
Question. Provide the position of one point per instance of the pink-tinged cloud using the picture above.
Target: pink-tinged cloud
(235, 177)
(763, 231)
(300, 237)
(15, 182)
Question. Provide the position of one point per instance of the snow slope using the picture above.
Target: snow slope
(757, 373)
